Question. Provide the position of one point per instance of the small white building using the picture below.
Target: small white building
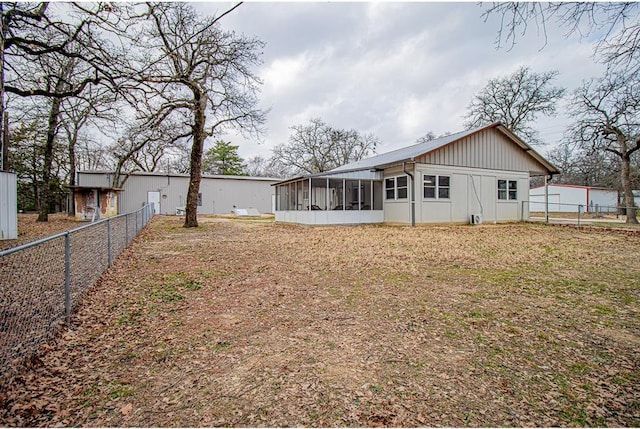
(8, 206)
(473, 176)
(570, 198)
(168, 192)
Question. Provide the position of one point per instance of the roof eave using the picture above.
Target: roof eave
(551, 169)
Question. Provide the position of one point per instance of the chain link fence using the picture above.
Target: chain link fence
(574, 214)
(42, 281)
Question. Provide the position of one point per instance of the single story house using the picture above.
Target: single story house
(168, 192)
(8, 206)
(570, 198)
(475, 175)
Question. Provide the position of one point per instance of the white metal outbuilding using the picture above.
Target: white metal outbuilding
(8, 206)
(570, 198)
(168, 192)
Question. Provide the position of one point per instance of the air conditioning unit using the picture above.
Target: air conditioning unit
(476, 219)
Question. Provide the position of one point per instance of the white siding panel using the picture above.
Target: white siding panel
(489, 149)
(606, 200)
(489, 194)
(219, 195)
(8, 206)
(397, 212)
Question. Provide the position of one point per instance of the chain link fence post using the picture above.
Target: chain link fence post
(36, 280)
(109, 242)
(579, 211)
(67, 277)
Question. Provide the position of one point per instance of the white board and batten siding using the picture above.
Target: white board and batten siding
(472, 191)
(489, 149)
(474, 164)
(8, 206)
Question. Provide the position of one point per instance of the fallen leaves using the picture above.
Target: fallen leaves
(277, 325)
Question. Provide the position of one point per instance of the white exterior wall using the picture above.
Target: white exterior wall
(561, 199)
(397, 211)
(219, 194)
(472, 191)
(8, 206)
(568, 198)
(330, 217)
(605, 199)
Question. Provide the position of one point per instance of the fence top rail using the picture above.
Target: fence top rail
(63, 233)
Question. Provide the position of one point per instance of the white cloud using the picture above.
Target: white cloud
(395, 69)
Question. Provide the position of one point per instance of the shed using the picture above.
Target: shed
(93, 203)
(8, 206)
(571, 198)
(477, 175)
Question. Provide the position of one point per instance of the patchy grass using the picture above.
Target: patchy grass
(279, 325)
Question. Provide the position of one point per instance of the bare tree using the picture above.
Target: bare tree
(515, 100)
(201, 75)
(607, 114)
(583, 166)
(260, 166)
(44, 55)
(318, 147)
(90, 154)
(430, 135)
(615, 26)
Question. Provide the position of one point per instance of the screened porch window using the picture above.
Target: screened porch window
(321, 193)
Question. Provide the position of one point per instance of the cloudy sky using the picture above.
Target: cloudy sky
(393, 69)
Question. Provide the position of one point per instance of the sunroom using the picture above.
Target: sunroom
(327, 199)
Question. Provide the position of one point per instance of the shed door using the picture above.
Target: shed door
(153, 197)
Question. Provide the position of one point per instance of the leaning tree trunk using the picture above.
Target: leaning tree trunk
(191, 218)
(625, 175)
(54, 113)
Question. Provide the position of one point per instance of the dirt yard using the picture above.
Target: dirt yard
(29, 229)
(251, 323)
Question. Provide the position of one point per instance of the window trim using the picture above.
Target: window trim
(436, 187)
(507, 190)
(396, 188)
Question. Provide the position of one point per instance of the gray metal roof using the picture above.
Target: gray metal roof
(162, 174)
(410, 153)
(404, 154)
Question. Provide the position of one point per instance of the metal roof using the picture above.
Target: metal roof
(163, 174)
(410, 153)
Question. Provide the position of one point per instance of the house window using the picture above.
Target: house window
(396, 188)
(401, 187)
(200, 199)
(507, 189)
(436, 186)
(390, 188)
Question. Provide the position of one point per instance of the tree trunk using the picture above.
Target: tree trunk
(191, 218)
(54, 113)
(4, 142)
(625, 175)
(72, 172)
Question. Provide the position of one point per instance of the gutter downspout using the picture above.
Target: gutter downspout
(413, 199)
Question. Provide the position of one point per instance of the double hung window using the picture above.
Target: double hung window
(507, 190)
(396, 188)
(436, 187)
